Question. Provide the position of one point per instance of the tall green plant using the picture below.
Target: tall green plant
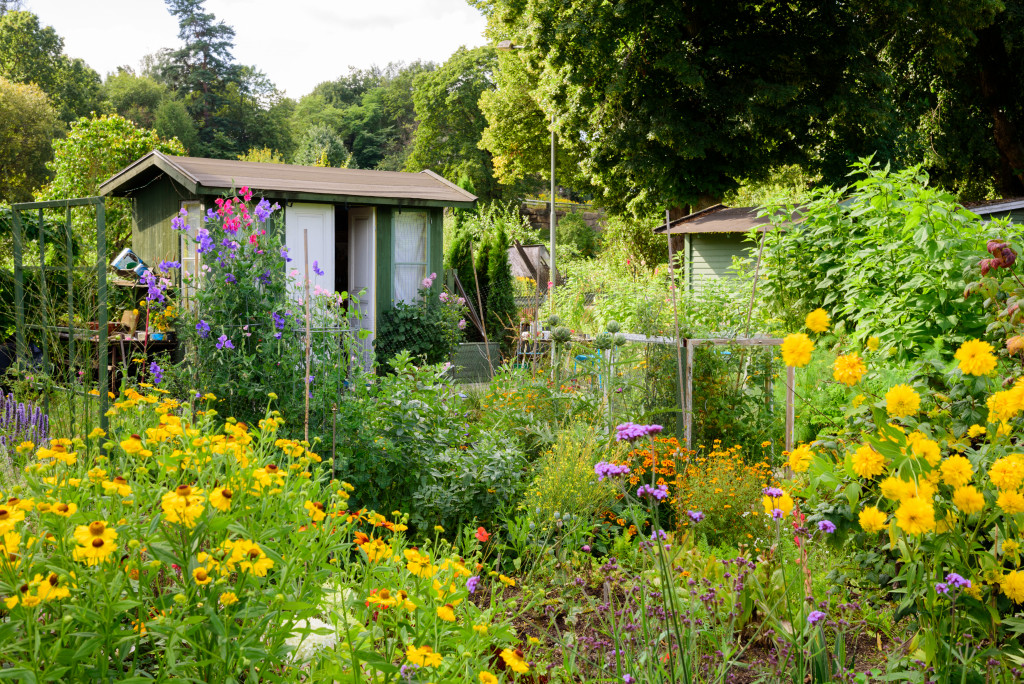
(885, 255)
(501, 305)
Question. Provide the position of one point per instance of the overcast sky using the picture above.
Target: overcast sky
(297, 43)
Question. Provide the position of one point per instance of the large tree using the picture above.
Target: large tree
(94, 150)
(136, 98)
(670, 103)
(27, 124)
(450, 121)
(958, 68)
(31, 53)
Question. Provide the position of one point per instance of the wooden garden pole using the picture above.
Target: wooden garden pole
(305, 256)
(790, 405)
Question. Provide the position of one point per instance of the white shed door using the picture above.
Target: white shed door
(318, 220)
(362, 238)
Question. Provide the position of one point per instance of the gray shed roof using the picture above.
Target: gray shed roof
(719, 219)
(217, 176)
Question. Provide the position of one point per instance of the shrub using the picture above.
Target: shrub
(502, 321)
(564, 480)
(429, 329)
(728, 490)
(573, 231)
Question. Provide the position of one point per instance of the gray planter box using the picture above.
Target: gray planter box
(470, 361)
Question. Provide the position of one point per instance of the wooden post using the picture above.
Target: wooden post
(679, 337)
(688, 396)
(790, 405)
(305, 256)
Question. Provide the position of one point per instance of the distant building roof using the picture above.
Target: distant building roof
(995, 206)
(289, 181)
(719, 219)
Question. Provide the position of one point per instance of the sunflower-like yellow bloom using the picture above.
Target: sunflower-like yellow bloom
(95, 552)
(868, 463)
(220, 498)
(515, 661)
(183, 505)
(1007, 473)
(1012, 586)
(957, 471)
(423, 656)
(849, 369)
(902, 401)
(817, 321)
(315, 510)
(1011, 502)
(796, 350)
(968, 499)
(916, 516)
(976, 358)
(800, 458)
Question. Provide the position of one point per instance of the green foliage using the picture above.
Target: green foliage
(27, 124)
(427, 329)
(320, 146)
(263, 155)
(31, 53)
(673, 108)
(136, 98)
(172, 121)
(885, 257)
(370, 110)
(93, 151)
(632, 242)
(450, 120)
(563, 476)
(501, 311)
(573, 230)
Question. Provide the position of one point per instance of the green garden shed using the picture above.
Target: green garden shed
(1009, 208)
(709, 239)
(378, 231)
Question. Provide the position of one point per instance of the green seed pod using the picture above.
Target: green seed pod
(613, 327)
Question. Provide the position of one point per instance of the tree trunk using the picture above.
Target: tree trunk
(996, 88)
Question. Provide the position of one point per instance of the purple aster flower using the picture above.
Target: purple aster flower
(773, 492)
(203, 328)
(815, 617)
(659, 492)
(279, 320)
(224, 343)
(958, 581)
(230, 278)
(316, 269)
(630, 432)
(284, 255)
(605, 469)
(695, 516)
(168, 265)
(658, 534)
(777, 514)
(941, 588)
(827, 526)
(157, 371)
(471, 584)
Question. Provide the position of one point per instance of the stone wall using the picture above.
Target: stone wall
(539, 214)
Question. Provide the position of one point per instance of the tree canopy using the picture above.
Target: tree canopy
(27, 124)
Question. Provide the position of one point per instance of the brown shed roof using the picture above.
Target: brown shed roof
(719, 219)
(215, 176)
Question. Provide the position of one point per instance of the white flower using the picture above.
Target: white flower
(310, 636)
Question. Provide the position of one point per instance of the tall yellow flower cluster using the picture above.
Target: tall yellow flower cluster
(976, 358)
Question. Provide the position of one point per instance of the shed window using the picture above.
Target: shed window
(190, 260)
(410, 255)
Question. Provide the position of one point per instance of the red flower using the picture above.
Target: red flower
(482, 534)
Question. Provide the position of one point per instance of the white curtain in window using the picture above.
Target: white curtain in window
(410, 254)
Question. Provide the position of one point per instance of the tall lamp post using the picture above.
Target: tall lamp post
(507, 46)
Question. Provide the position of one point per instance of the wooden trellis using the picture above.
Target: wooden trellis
(690, 344)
